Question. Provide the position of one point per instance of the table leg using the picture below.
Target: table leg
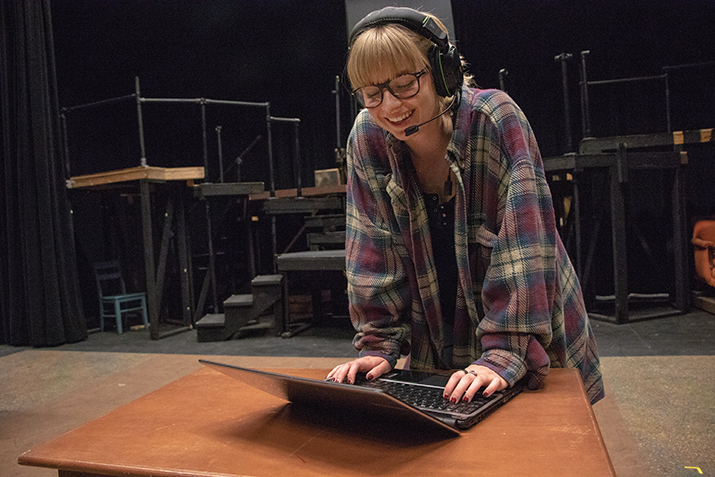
(620, 257)
(151, 292)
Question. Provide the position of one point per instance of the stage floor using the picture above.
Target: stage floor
(656, 418)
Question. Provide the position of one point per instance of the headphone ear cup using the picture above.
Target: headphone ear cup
(446, 66)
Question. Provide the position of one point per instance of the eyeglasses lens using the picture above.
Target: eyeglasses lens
(402, 87)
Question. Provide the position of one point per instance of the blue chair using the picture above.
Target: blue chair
(114, 301)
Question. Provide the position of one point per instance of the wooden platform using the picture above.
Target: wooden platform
(172, 220)
(705, 303)
(592, 145)
(137, 173)
(228, 189)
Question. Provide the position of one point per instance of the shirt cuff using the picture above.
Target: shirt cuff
(505, 364)
(389, 358)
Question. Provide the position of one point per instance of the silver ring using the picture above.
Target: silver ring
(473, 372)
(466, 371)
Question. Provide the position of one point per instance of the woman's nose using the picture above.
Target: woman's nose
(388, 99)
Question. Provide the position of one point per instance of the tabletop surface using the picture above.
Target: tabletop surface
(206, 423)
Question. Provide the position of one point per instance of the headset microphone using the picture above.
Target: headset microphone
(413, 129)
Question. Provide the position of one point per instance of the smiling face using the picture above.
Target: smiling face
(395, 115)
(382, 54)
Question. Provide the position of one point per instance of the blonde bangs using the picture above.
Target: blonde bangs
(382, 53)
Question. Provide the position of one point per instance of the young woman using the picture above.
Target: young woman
(453, 257)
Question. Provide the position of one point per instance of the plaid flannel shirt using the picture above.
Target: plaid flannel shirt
(519, 305)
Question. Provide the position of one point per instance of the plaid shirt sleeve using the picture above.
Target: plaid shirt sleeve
(534, 312)
(378, 287)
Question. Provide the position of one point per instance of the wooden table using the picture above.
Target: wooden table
(209, 424)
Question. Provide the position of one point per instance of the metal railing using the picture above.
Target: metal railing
(203, 103)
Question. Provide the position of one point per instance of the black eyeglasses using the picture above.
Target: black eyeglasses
(403, 87)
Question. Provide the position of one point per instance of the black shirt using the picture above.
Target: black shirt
(441, 225)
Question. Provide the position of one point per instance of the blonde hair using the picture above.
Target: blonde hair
(393, 49)
(389, 48)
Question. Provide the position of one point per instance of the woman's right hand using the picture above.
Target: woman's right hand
(372, 366)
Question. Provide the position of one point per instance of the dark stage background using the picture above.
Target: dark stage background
(283, 52)
(625, 39)
(288, 53)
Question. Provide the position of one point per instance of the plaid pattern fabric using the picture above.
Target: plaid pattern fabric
(519, 305)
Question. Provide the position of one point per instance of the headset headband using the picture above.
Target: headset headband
(416, 21)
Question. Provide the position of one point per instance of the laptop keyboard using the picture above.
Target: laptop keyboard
(426, 397)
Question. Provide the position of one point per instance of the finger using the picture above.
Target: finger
(334, 371)
(378, 370)
(497, 384)
(461, 387)
(473, 388)
(342, 375)
(453, 382)
(352, 372)
(339, 372)
(348, 371)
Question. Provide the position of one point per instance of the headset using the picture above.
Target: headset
(445, 62)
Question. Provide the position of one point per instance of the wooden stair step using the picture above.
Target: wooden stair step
(327, 221)
(212, 320)
(302, 205)
(267, 280)
(238, 301)
(243, 312)
(315, 238)
(312, 260)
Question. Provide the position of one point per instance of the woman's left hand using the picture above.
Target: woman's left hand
(465, 383)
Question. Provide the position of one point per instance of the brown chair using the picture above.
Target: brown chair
(704, 242)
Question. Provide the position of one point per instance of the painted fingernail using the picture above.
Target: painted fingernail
(369, 377)
(454, 399)
(465, 399)
(446, 396)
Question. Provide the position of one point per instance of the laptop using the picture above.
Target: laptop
(410, 397)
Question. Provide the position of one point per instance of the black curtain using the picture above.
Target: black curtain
(40, 302)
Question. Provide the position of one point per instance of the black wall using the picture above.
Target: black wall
(626, 39)
(633, 38)
(288, 52)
